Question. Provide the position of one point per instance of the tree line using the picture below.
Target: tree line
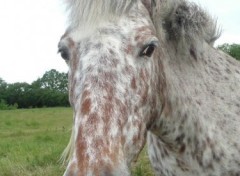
(48, 91)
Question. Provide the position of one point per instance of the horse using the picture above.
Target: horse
(146, 72)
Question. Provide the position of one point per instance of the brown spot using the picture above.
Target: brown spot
(122, 107)
(123, 139)
(129, 49)
(182, 149)
(107, 111)
(111, 52)
(210, 166)
(92, 120)
(228, 70)
(128, 70)
(85, 108)
(179, 139)
(217, 156)
(182, 165)
(167, 109)
(144, 75)
(144, 95)
(137, 37)
(115, 62)
(193, 52)
(136, 138)
(199, 158)
(74, 61)
(226, 78)
(81, 152)
(133, 83)
(71, 87)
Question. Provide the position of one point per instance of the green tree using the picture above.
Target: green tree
(53, 80)
(17, 93)
(233, 50)
(3, 88)
(51, 89)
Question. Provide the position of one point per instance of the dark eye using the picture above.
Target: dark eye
(148, 50)
(64, 53)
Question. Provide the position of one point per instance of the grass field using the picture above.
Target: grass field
(32, 140)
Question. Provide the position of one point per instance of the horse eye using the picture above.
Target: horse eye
(148, 50)
(64, 53)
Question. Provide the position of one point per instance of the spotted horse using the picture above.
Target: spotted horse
(146, 71)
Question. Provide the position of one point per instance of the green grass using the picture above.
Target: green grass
(32, 140)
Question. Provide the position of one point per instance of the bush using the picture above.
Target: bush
(5, 106)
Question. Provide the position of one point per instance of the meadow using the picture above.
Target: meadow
(32, 140)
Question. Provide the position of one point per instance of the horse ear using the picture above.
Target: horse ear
(149, 4)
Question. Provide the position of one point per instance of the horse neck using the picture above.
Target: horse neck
(197, 100)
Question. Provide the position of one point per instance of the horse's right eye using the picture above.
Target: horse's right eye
(148, 50)
(64, 53)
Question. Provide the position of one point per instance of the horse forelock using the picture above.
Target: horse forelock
(82, 12)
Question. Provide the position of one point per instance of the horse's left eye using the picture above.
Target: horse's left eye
(148, 50)
(64, 53)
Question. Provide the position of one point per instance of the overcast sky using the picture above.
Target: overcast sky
(30, 31)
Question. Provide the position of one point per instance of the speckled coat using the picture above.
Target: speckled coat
(146, 70)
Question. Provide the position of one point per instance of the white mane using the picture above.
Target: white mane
(92, 11)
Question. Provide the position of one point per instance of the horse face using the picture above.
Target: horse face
(114, 91)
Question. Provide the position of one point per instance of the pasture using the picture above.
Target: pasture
(32, 140)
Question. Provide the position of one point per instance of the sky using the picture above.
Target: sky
(30, 31)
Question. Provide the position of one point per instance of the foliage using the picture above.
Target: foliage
(233, 50)
(48, 91)
(3, 87)
(52, 80)
(5, 106)
(32, 141)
